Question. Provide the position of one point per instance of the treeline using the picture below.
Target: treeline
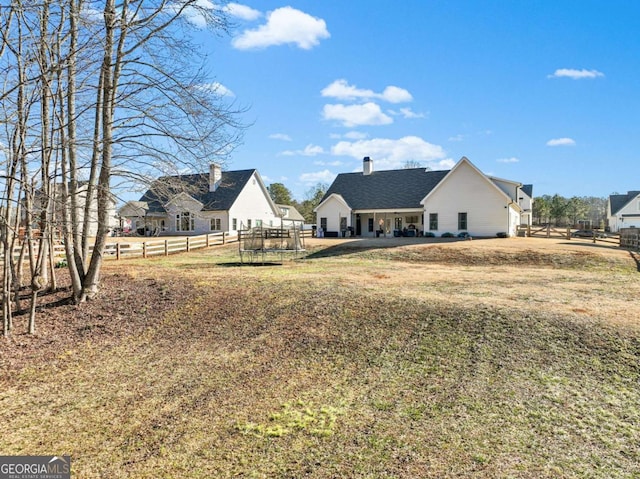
(575, 211)
(282, 195)
(92, 101)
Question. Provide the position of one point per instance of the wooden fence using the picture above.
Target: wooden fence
(548, 231)
(155, 247)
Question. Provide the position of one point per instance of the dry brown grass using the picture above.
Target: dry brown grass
(493, 358)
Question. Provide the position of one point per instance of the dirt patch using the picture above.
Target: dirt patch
(126, 305)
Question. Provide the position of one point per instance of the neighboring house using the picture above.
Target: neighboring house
(81, 201)
(375, 203)
(623, 211)
(291, 217)
(218, 201)
(525, 200)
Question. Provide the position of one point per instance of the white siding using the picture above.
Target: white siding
(627, 217)
(333, 209)
(465, 190)
(253, 204)
(509, 188)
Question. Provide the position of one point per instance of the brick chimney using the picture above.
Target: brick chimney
(215, 175)
(367, 166)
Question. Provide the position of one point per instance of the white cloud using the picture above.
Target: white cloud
(341, 90)
(575, 74)
(268, 179)
(309, 150)
(355, 115)
(407, 113)
(194, 13)
(389, 153)
(355, 135)
(458, 137)
(328, 163)
(508, 160)
(324, 176)
(280, 136)
(217, 88)
(284, 25)
(561, 142)
(242, 11)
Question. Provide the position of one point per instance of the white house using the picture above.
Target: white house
(57, 205)
(218, 201)
(623, 211)
(417, 201)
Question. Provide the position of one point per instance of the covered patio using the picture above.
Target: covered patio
(382, 223)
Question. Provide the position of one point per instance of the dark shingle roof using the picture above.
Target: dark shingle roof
(197, 186)
(528, 190)
(386, 189)
(620, 201)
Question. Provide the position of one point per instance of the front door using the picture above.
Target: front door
(358, 226)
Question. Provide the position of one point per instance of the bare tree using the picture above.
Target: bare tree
(98, 98)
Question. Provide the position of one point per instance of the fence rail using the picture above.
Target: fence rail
(548, 231)
(155, 247)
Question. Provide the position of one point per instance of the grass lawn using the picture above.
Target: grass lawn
(513, 358)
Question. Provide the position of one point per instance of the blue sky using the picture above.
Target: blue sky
(542, 92)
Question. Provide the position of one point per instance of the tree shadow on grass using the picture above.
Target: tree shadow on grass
(362, 245)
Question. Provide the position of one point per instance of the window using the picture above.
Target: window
(370, 225)
(433, 221)
(343, 223)
(248, 224)
(185, 221)
(323, 224)
(462, 221)
(398, 223)
(411, 219)
(234, 224)
(216, 224)
(258, 222)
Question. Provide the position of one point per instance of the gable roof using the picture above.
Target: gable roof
(196, 186)
(527, 190)
(618, 202)
(385, 189)
(294, 214)
(490, 181)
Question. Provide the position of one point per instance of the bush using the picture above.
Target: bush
(448, 235)
(501, 234)
(429, 234)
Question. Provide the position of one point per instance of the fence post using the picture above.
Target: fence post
(207, 240)
(224, 236)
(569, 233)
(548, 230)
(117, 251)
(166, 247)
(144, 249)
(187, 244)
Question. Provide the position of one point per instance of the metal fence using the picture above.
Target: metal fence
(630, 238)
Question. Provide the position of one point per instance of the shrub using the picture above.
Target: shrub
(448, 235)
(429, 234)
